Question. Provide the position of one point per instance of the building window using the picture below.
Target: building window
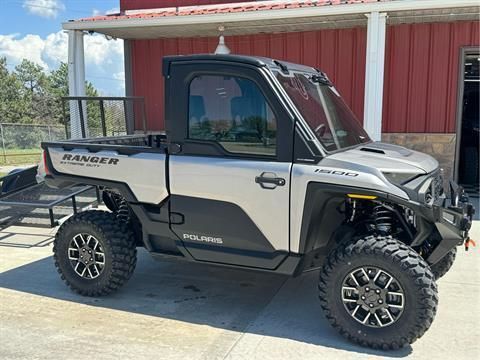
(233, 112)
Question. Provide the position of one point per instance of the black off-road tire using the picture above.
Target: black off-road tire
(117, 242)
(443, 266)
(411, 271)
(117, 204)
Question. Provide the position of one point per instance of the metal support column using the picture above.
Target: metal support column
(76, 80)
(374, 74)
(129, 106)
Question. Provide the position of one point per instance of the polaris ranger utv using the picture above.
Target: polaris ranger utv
(264, 167)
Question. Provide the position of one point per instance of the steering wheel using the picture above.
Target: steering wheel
(320, 130)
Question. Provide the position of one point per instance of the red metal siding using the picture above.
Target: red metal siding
(157, 4)
(421, 75)
(339, 52)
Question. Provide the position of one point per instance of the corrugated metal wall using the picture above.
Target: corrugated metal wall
(421, 69)
(421, 75)
(338, 52)
(155, 4)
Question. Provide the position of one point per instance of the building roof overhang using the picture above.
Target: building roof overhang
(270, 17)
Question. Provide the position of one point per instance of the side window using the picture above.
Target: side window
(233, 112)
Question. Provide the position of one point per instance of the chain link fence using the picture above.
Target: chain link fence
(83, 117)
(103, 116)
(20, 143)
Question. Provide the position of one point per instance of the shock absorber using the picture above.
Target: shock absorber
(117, 204)
(383, 219)
(123, 212)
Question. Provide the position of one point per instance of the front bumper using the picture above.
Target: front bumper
(453, 220)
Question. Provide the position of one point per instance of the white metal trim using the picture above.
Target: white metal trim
(346, 9)
(374, 74)
(76, 79)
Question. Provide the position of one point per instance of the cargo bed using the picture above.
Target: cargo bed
(133, 162)
(139, 142)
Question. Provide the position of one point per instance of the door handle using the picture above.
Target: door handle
(270, 180)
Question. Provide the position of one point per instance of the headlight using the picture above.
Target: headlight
(399, 178)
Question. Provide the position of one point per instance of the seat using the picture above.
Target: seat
(241, 109)
(196, 109)
(246, 122)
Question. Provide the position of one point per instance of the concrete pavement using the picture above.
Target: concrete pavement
(191, 311)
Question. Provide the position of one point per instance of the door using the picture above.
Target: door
(230, 181)
(469, 127)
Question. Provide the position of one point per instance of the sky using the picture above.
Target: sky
(32, 29)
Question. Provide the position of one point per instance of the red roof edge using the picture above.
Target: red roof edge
(223, 8)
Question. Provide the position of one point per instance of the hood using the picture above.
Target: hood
(388, 158)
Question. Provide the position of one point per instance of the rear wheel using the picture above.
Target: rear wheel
(94, 253)
(378, 292)
(117, 204)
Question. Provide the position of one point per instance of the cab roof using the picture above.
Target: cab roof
(243, 59)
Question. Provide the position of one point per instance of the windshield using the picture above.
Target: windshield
(333, 123)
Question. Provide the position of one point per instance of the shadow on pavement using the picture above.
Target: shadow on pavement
(24, 240)
(215, 296)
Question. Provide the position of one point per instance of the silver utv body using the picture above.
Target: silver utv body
(255, 208)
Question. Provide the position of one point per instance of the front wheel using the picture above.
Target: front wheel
(443, 266)
(94, 253)
(378, 292)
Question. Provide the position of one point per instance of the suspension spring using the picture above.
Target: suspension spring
(123, 212)
(383, 219)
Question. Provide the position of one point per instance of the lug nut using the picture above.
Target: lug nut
(380, 301)
(91, 259)
(377, 291)
(367, 289)
(363, 297)
(90, 252)
(371, 305)
(83, 250)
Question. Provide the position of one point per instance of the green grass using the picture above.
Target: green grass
(20, 156)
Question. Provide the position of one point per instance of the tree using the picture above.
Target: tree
(32, 76)
(29, 95)
(58, 84)
(35, 93)
(11, 104)
(58, 81)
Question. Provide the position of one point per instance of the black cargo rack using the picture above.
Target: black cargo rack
(20, 189)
